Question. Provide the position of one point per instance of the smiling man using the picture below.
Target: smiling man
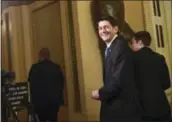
(118, 95)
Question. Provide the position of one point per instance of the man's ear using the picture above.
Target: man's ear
(116, 28)
(140, 42)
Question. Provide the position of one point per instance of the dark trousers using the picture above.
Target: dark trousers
(47, 113)
(165, 118)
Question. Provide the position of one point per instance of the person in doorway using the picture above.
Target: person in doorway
(46, 85)
(152, 77)
(118, 95)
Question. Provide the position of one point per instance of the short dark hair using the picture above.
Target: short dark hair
(110, 19)
(44, 53)
(144, 36)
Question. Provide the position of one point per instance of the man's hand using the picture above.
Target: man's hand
(95, 95)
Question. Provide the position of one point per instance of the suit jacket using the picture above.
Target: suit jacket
(46, 84)
(118, 94)
(152, 77)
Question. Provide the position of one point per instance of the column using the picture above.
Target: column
(17, 46)
(27, 37)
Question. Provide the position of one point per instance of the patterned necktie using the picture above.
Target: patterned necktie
(107, 52)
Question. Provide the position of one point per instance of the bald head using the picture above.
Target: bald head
(44, 54)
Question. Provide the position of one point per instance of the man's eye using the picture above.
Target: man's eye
(106, 27)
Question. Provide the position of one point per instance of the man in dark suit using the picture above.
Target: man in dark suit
(118, 95)
(152, 78)
(46, 83)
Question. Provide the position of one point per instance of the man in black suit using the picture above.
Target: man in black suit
(46, 83)
(152, 78)
(118, 95)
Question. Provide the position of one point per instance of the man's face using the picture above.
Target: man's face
(106, 30)
(135, 45)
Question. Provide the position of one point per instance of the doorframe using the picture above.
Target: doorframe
(4, 50)
(66, 36)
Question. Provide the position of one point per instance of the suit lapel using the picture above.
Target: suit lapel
(107, 60)
(112, 47)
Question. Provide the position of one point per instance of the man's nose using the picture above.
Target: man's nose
(103, 30)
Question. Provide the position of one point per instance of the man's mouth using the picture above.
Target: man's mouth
(105, 35)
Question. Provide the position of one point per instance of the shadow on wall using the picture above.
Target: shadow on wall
(115, 9)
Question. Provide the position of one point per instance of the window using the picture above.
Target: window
(156, 8)
(160, 36)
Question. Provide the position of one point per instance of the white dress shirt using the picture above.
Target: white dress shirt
(109, 43)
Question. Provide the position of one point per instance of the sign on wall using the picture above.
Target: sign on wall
(18, 95)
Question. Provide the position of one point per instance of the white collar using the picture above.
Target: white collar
(109, 43)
